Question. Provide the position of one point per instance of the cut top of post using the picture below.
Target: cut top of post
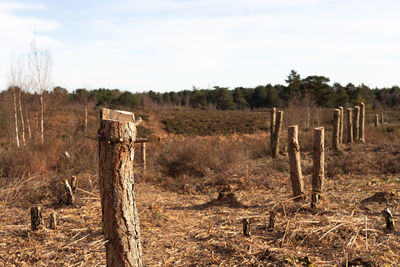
(116, 115)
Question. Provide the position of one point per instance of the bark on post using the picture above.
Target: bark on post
(376, 120)
(336, 130)
(144, 156)
(362, 122)
(70, 195)
(53, 221)
(277, 131)
(356, 124)
(318, 165)
(272, 128)
(296, 175)
(341, 125)
(349, 126)
(117, 136)
(382, 118)
(36, 218)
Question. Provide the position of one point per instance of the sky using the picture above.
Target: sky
(166, 45)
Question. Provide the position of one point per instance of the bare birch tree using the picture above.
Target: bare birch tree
(41, 65)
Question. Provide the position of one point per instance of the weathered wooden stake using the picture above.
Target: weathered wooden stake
(362, 123)
(74, 183)
(117, 136)
(376, 120)
(272, 128)
(53, 221)
(382, 118)
(349, 126)
(389, 219)
(246, 227)
(36, 218)
(318, 166)
(70, 195)
(341, 125)
(277, 132)
(336, 130)
(296, 175)
(356, 124)
(144, 156)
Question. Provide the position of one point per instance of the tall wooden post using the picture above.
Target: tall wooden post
(356, 124)
(349, 126)
(296, 175)
(144, 156)
(277, 132)
(272, 128)
(117, 135)
(318, 165)
(362, 122)
(341, 125)
(336, 130)
(376, 120)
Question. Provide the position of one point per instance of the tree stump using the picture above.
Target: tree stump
(341, 125)
(272, 128)
(318, 165)
(36, 218)
(389, 219)
(117, 135)
(349, 126)
(246, 227)
(53, 221)
(70, 195)
(356, 124)
(74, 184)
(376, 120)
(362, 123)
(336, 130)
(271, 223)
(277, 132)
(296, 175)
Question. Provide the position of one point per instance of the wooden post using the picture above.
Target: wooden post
(389, 219)
(376, 120)
(144, 156)
(271, 223)
(70, 195)
(341, 125)
(362, 122)
(277, 132)
(36, 218)
(74, 183)
(382, 118)
(53, 221)
(296, 175)
(246, 227)
(272, 128)
(318, 166)
(336, 130)
(349, 126)
(356, 124)
(117, 136)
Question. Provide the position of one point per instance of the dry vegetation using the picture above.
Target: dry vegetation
(187, 215)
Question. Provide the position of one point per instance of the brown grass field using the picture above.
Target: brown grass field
(182, 220)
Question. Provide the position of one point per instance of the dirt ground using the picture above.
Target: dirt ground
(200, 230)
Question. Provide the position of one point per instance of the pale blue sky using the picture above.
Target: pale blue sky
(174, 44)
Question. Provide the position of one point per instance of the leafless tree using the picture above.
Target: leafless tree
(41, 65)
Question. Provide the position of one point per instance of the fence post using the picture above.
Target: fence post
(272, 128)
(296, 175)
(341, 125)
(362, 122)
(376, 120)
(336, 130)
(318, 166)
(356, 124)
(349, 126)
(117, 135)
(144, 156)
(277, 132)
